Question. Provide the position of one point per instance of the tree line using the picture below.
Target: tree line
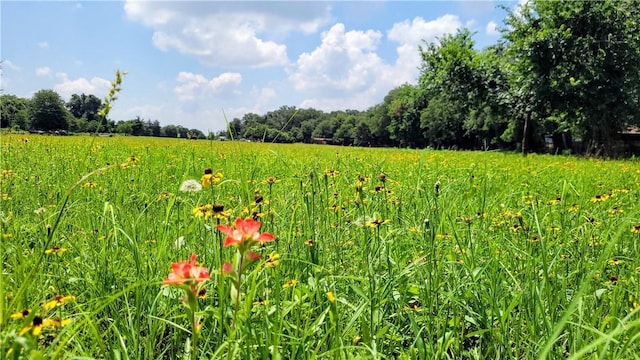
(47, 111)
(562, 71)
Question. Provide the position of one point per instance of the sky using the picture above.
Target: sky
(197, 63)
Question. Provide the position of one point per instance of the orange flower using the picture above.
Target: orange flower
(187, 273)
(244, 232)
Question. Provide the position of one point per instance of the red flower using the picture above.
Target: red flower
(227, 268)
(245, 231)
(188, 273)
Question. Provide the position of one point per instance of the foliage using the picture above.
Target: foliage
(14, 111)
(47, 111)
(578, 65)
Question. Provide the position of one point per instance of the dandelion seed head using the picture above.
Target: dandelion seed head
(190, 185)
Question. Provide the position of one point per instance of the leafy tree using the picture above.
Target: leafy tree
(578, 67)
(47, 111)
(84, 106)
(401, 111)
(451, 80)
(170, 131)
(14, 112)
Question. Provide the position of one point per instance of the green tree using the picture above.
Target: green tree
(577, 67)
(47, 111)
(84, 106)
(401, 110)
(14, 111)
(450, 83)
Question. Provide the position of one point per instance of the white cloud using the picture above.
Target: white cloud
(96, 86)
(345, 72)
(7, 64)
(43, 45)
(43, 71)
(410, 35)
(194, 86)
(492, 28)
(230, 34)
(345, 60)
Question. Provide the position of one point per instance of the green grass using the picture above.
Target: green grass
(511, 257)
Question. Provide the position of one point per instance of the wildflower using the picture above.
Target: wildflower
(202, 293)
(635, 229)
(21, 315)
(309, 242)
(227, 268)
(290, 283)
(260, 301)
(164, 195)
(615, 210)
(599, 198)
(331, 173)
(187, 273)
(574, 207)
(271, 180)
(55, 250)
(190, 185)
(8, 173)
(273, 260)
(375, 222)
(40, 210)
(615, 262)
(205, 211)
(59, 300)
(443, 236)
(205, 180)
(90, 184)
(331, 297)
(244, 233)
(38, 323)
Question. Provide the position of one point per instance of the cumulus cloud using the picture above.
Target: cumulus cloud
(96, 86)
(345, 72)
(228, 33)
(345, 60)
(43, 71)
(43, 45)
(492, 28)
(194, 86)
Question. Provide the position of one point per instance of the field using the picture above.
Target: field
(378, 253)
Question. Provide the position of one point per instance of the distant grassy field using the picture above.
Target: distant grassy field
(378, 253)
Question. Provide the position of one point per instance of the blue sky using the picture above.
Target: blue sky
(190, 63)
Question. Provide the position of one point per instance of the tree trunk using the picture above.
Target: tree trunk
(525, 134)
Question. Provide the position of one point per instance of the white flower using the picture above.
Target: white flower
(190, 186)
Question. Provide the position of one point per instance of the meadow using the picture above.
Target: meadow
(376, 253)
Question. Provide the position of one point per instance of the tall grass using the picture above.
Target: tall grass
(384, 253)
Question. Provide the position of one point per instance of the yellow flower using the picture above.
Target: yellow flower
(290, 283)
(273, 260)
(271, 180)
(21, 315)
(331, 297)
(599, 198)
(260, 301)
(615, 262)
(55, 250)
(635, 229)
(205, 180)
(38, 323)
(309, 242)
(59, 300)
(90, 184)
